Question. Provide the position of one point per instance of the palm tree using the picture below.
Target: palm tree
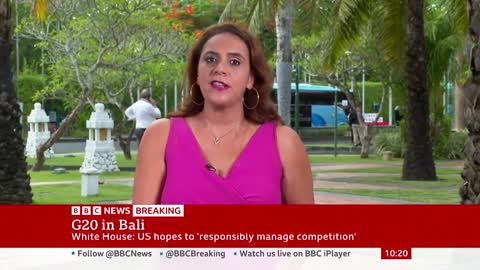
(455, 18)
(352, 16)
(309, 15)
(418, 163)
(470, 191)
(14, 180)
(283, 23)
(444, 42)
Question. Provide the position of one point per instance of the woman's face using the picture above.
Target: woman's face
(224, 70)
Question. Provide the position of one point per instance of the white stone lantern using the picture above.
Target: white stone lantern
(38, 132)
(89, 182)
(99, 150)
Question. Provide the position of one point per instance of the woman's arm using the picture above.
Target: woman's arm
(150, 171)
(297, 181)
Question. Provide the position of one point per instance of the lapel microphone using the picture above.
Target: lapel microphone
(210, 167)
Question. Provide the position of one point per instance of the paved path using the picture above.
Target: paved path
(126, 181)
(320, 197)
(331, 167)
(337, 198)
(336, 180)
(452, 163)
(332, 176)
(353, 185)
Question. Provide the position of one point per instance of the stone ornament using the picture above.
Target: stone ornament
(38, 132)
(99, 149)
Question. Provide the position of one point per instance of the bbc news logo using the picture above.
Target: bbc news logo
(86, 210)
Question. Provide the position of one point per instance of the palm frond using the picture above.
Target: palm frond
(459, 13)
(443, 42)
(258, 12)
(311, 15)
(395, 23)
(227, 11)
(257, 15)
(351, 16)
(439, 57)
(268, 9)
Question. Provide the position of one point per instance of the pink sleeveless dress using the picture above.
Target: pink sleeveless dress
(254, 178)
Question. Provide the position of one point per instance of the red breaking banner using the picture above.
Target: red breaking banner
(393, 227)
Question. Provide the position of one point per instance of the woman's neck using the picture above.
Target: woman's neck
(221, 118)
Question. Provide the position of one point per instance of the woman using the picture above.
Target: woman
(227, 145)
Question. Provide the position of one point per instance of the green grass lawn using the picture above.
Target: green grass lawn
(70, 194)
(396, 169)
(445, 190)
(49, 176)
(352, 159)
(444, 181)
(328, 145)
(77, 160)
(449, 196)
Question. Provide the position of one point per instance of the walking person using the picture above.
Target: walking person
(398, 116)
(144, 112)
(355, 125)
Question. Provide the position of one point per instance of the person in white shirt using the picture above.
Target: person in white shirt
(144, 112)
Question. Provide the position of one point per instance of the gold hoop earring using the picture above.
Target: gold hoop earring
(256, 104)
(191, 96)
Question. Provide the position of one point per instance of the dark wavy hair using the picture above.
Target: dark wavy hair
(262, 74)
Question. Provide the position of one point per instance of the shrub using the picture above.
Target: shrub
(454, 147)
(440, 126)
(27, 85)
(389, 141)
(342, 130)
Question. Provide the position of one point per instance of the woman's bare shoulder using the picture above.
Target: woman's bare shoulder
(297, 184)
(160, 126)
(287, 137)
(157, 131)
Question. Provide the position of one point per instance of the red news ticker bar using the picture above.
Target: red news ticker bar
(369, 225)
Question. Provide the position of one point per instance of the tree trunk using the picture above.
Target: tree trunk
(461, 59)
(365, 139)
(14, 180)
(470, 191)
(459, 108)
(124, 143)
(368, 130)
(418, 163)
(283, 20)
(57, 134)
